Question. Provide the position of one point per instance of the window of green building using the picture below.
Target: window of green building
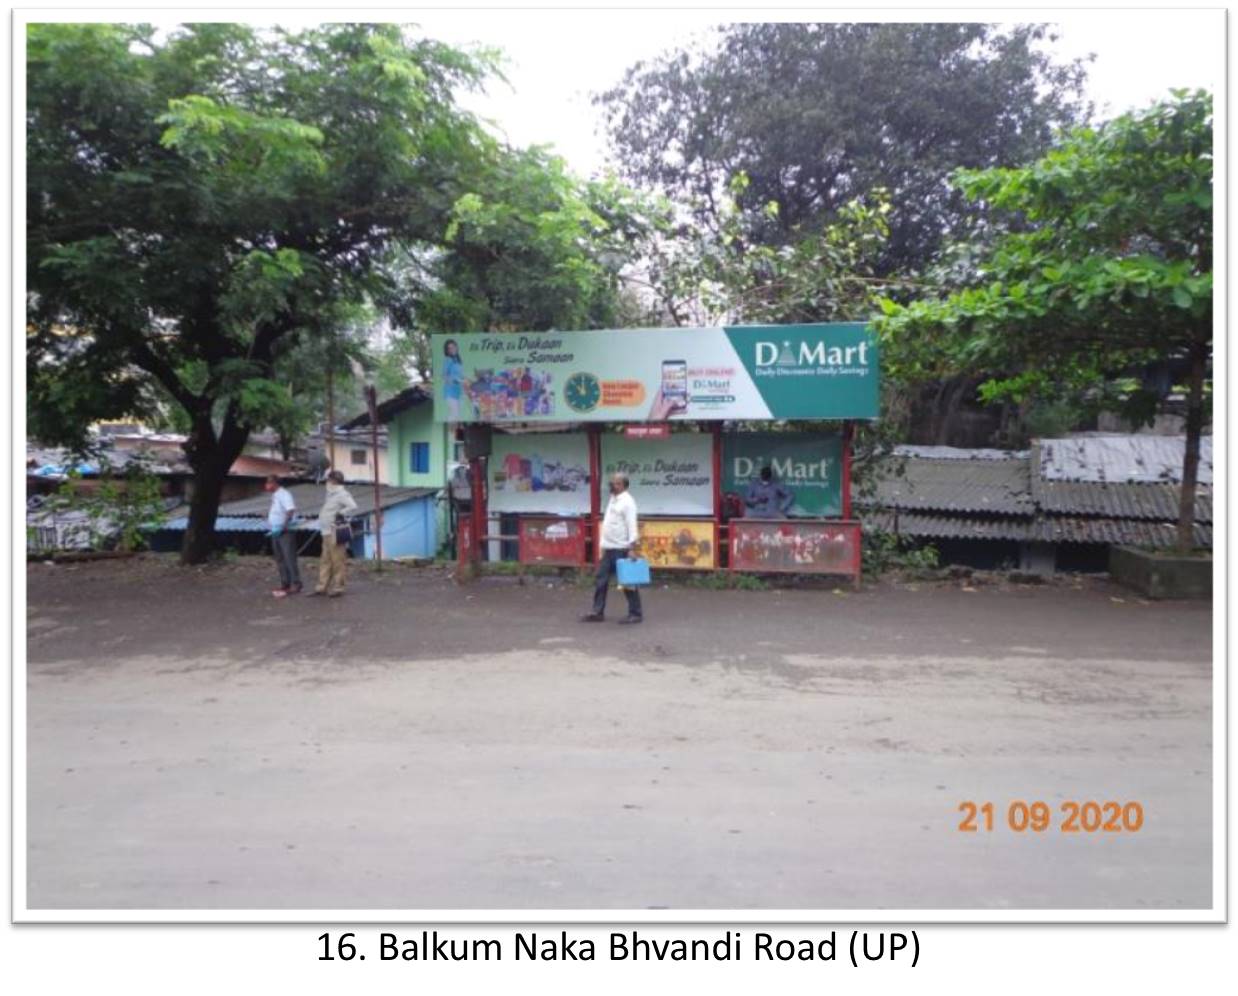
(419, 458)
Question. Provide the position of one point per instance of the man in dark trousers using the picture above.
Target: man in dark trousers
(283, 540)
(619, 535)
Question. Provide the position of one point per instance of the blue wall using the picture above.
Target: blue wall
(408, 530)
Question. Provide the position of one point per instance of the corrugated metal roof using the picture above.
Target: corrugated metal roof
(309, 497)
(957, 453)
(929, 526)
(1062, 529)
(952, 485)
(1127, 501)
(1055, 529)
(1130, 458)
(230, 524)
(410, 397)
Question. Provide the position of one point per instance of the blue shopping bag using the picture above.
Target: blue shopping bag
(632, 571)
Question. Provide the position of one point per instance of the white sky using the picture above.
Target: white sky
(559, 57)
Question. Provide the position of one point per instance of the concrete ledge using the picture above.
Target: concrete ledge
(1161, 575)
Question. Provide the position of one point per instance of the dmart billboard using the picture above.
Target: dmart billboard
(827, 371)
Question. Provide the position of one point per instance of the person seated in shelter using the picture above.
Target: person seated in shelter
(767, 498)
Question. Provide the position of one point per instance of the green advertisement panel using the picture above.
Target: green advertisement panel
(806, 472)
(826, 371)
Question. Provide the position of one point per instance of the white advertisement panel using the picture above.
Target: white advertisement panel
(539, 472)
(669, 476)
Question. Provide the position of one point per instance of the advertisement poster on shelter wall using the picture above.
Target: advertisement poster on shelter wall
(805, 471)
(687, 544)
(800, 547)
(827, 371)
(671, 476)
(539, 472)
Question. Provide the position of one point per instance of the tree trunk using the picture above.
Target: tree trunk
(208, 486)
(1194, 429)
(211, 457)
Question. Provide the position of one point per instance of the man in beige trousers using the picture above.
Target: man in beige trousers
(334, 560)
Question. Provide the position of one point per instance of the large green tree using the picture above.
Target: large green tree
(1109, 274)
(818, 115)
(533, 247)
(198, 199)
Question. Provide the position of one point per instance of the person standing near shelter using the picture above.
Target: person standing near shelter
(336, 506)
(619, 535)
(283, 541)
(767, 498)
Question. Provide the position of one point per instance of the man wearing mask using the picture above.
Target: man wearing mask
(619, 535)
(767, 499)
(336, 507)
(283, 541)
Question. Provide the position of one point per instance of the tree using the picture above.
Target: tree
(198, 200)
(530, 248)
(818, 115)
(1111, 274)
(822, 273)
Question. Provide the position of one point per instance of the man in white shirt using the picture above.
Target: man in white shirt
(619, 535)
(283, 540)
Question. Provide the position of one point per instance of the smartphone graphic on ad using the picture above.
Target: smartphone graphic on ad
(675, 383)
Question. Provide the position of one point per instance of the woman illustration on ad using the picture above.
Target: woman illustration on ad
(453, 377)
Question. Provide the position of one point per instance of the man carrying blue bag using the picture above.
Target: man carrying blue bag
(619, 535)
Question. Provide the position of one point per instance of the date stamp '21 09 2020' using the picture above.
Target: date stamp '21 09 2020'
(1071, 816)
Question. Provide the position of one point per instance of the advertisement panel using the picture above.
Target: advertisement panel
(559, 542)
(671, 476)
(824, 371)
(800, 547)
(806, 472)
(685, 544)
(539, 472)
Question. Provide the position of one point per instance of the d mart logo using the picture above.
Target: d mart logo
(810, 354)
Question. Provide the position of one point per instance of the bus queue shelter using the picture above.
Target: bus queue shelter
(691, 416)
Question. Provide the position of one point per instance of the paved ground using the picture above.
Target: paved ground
(195, 744)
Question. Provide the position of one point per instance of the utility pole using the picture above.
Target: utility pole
(330, 418)
(371, 400)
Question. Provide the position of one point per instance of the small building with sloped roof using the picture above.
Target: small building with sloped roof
(1058, 505)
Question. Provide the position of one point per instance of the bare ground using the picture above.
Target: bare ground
(194, 744)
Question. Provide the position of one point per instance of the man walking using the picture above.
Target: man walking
(283, 540)
(619, 535)
(336, 507)
(767, 498)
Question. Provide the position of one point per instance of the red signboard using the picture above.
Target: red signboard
(652, 431)
(554, 541)
(796, 546)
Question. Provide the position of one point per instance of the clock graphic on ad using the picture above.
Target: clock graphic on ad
(582, 392)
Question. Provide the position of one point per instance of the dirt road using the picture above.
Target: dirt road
(193, 744)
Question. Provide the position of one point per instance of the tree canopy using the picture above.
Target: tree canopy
(1109, 272)
(204, 204)
(818, 115)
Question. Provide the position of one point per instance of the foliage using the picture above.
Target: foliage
(881, 552)
(817, 115)
(727, 581)
(1111, 271)
(529, 248)
(824, 273)
(123, 506)
(196, 198)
